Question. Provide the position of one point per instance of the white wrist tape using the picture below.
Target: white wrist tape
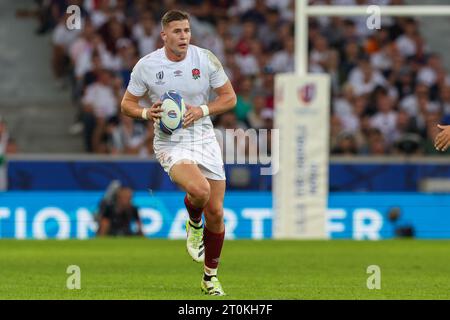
(205, 109)
(144, 113)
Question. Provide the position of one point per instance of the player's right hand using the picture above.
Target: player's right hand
(155, 111)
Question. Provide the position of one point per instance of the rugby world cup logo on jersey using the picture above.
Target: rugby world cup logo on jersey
(307, 93)
(195, 73)
(159, 77)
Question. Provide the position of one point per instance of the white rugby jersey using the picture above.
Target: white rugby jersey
(193, 78)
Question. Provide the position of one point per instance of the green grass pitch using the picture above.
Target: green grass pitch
(161, 269)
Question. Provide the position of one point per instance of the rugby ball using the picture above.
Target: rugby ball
(173, 110)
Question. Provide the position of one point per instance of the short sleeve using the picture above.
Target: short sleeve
(137, 86)
(217, 76)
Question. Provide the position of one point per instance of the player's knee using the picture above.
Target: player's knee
(215, 213)
(200, 192)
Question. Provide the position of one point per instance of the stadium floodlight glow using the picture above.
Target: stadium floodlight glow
(303, 11)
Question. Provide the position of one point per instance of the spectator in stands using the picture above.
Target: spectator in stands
(146, 33)
(346, 145)
(283, 60)
(244, 99)
(335, 131)
(112, 31)
(62, 39)
(244, 56)
(406, 138)
(383, 58)
(428, 74)
(343, 108)
(349, 59)
(268, 31)
(84, 42)
(404, 82)
(257, 13)
(350, 32)
(117, 216)
(48, 14)
(363, 134)
(131, 137)
(364, 78)
(231, 68)
(128, 56)
(254, 116)
(418, 105)
(409, 41)
(267, 86)
(385, 119)
(404, 125)
(377, 144)
(100, 103)
(102, 13)
(320, 53)
(285, 31)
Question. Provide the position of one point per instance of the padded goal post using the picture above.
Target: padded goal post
(302, 108)
(301, 183)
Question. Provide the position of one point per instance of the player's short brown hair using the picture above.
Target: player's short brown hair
(174, 15)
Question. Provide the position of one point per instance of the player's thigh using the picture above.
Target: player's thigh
(188, 176)
(214, 208)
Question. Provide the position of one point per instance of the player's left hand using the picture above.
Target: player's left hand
(442, 140)
(191, 115)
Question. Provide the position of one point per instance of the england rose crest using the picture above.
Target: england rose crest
(195, 73)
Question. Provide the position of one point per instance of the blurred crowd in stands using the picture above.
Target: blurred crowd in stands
(389, 89)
